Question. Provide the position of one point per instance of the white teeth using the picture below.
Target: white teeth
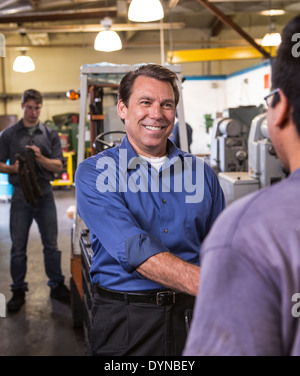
(153, 128)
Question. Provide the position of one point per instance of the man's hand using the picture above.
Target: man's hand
(37, 151)
(53, 165)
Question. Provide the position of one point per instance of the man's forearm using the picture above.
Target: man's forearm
(53, 165)
(7, 169)
(170, 271)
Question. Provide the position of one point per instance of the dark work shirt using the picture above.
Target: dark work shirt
(13, 140)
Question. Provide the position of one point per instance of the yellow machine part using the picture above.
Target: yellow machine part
(213, 54)
(69, 170)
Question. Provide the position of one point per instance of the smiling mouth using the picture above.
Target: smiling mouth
(153, 128)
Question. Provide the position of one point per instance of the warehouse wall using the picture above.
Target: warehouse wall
(249, 86)
(213, 94)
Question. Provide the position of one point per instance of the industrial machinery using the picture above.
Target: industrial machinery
(230, 133)
(95, 79)
(228, 146)
(264, 164)
(264, 167)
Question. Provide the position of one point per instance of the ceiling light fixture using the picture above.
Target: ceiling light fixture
(145, 10)
(107, 40)
(272, 12)
(23, 63)
(272, 38)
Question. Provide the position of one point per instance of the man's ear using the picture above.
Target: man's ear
(122, 110)
(281, 112)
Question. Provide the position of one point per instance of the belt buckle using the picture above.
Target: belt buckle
(170, 295)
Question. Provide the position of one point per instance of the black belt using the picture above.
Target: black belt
(154, 297)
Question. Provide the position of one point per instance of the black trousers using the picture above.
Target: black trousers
(141, 329)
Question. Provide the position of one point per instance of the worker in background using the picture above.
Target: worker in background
(248, 299)
(145, 235)
(175, 137)
(30, 134)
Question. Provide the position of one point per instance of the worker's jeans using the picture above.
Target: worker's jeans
(21, 217)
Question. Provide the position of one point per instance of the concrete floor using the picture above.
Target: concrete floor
(43, 327)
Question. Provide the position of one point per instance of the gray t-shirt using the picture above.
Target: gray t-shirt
(248, 299)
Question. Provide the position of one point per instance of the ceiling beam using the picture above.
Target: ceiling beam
(91, 28)
(227, 21)
(127, 44)
(60, 15)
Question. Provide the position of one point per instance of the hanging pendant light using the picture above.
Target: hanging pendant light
(272, 38)
(107, 40)
(145, 10)
(23, 63)
(272, 12)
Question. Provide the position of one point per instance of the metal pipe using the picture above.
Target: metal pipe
(162, 44)
(3, 85)
(92, 28)
(234, 26)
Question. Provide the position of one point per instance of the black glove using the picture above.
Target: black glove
(27, 176)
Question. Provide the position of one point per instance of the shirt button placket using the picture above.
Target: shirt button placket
(163, 200)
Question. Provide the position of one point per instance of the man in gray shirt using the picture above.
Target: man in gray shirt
(29, 133)
(248, 299)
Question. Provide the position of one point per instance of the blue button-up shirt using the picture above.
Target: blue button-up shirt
(134, 212)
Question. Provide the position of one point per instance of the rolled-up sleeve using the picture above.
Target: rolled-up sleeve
(146, 244)
(4, 151)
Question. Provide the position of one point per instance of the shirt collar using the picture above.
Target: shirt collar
(172, 150)
(22, 126)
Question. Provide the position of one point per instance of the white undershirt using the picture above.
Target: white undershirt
(156, 162)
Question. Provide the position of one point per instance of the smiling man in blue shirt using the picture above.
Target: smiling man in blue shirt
(148, 206)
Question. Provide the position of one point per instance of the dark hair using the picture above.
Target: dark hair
(286, 69)
(32, 94)
(155, 71)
